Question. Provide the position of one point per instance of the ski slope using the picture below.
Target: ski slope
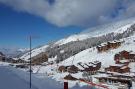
(9, 80)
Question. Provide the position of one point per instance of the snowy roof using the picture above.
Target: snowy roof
(103, 44)
(124, 67)
(119, 65)
(80, 67)
(123, 61)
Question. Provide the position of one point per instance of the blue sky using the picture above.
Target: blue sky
(54, 19)
(15, 27)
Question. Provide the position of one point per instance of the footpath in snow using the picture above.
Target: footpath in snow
(9, 80)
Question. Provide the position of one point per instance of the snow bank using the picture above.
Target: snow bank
(44, 83)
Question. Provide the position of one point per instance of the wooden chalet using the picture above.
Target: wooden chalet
(109, 45)
(90, 67)
(118, 68)
(18, 61)
(113, 45)
(123, 76)
(124, 55)
(70, 77)
(102, 48)
(73, 69)
(114, 80)
(62, 69)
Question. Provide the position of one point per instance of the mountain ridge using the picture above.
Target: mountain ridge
(79, 42)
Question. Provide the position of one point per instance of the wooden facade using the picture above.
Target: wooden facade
(91, 68)
(70, 77)
(124, 55)
(114, 80)
(108, 46)
(70, 69)
(18, 61)
(123, 76)
(62, 69)
(73, 69)
(118, 69)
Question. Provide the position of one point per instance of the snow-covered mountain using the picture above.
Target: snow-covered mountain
(13, 52)
(113, 29)
(34, 52)
(116, 27)
(72, 39)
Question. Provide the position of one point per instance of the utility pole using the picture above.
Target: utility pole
(30, 58)
(30, 61)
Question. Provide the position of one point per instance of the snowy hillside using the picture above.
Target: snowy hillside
(116, 27)
(107, 58)
(13, 52)
(89, 55)
(35, 52)
(72, 38)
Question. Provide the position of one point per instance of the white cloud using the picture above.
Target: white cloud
(36, 7)
(78, 12)
(75, 12)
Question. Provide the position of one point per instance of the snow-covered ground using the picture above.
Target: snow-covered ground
(9, 80)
